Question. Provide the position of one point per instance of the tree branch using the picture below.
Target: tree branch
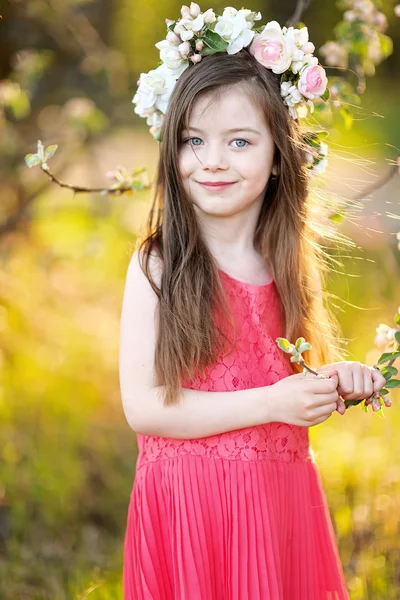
(301, 7)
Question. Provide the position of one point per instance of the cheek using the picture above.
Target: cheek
(257, 170)
(185, 162)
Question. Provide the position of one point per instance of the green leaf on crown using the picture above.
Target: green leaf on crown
(325, 96)
(213, 43)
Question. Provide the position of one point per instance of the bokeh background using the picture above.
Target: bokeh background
(68, 71)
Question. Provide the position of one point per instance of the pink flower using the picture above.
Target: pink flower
(313, 81)
(272, 49)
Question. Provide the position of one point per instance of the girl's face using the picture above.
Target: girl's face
(226, 157)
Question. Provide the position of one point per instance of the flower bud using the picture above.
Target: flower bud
(194, 9)
(350, 16)
(308, 48)
(184, 48)
(173, 38)
(178, 29)
(199, 45)
(168, 22)
(387, 401)
(185, 12)
(196, 58)
(376, 405)
(186, 35)
(380, 21)
(209, 16)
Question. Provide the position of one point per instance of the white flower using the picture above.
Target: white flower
(154, 91)
(193, 24)
(170, 55)
(323, 148)
(233, 27)
(290, 93)
(385, 336)
(336, 55)
(320, 167)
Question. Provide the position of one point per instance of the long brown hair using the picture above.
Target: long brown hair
(188, 339)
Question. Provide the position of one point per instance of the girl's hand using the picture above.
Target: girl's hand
(304, 401)
(356, 381)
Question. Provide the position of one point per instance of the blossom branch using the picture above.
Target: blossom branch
(301, 7)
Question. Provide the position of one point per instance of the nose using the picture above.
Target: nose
(214, 158)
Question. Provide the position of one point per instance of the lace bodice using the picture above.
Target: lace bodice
(255, 362)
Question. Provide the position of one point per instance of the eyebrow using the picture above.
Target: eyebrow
(235, 130)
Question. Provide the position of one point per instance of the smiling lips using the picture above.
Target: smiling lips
(216, 185)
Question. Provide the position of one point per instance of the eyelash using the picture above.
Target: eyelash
(235, 140)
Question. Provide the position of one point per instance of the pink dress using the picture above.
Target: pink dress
(237, 516)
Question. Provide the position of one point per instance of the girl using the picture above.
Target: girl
(227, 502)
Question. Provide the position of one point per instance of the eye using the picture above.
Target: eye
(240, 143)
(194, 141)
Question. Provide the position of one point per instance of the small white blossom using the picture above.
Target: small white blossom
(232, 27)
(171, 56)
(320, 167)
(154, 91)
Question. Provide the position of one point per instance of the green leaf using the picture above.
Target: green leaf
(32, 160)
(336, 217)
(326, 95)
(349, 403)
(383, 392)
(397, 319)
(284, 344)
(347, 118)
(299, 341)
(393, 383)
(386, 44)
(386, 356)
(389, 371)
(50, 150)
(213, 43)
(397, 336)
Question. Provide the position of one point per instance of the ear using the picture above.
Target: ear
(274, 170)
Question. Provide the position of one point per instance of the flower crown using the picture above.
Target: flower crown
(287, 51)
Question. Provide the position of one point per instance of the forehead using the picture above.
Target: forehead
(226, 109)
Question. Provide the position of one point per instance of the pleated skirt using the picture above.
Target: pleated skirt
(219, 529)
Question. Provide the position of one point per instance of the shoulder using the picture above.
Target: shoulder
(139, 264)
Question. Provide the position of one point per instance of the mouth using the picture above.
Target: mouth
(216, 186)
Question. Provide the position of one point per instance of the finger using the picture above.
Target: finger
(346, 384)
(322, 400)
(330, 373)
(358, 381)
(324, 411)
(324, 386)
(340, 407)
(368, 383)
(378, 380)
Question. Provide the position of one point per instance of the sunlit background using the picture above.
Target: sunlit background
(68, 71)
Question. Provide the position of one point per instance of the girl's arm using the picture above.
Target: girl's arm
(199, 413)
